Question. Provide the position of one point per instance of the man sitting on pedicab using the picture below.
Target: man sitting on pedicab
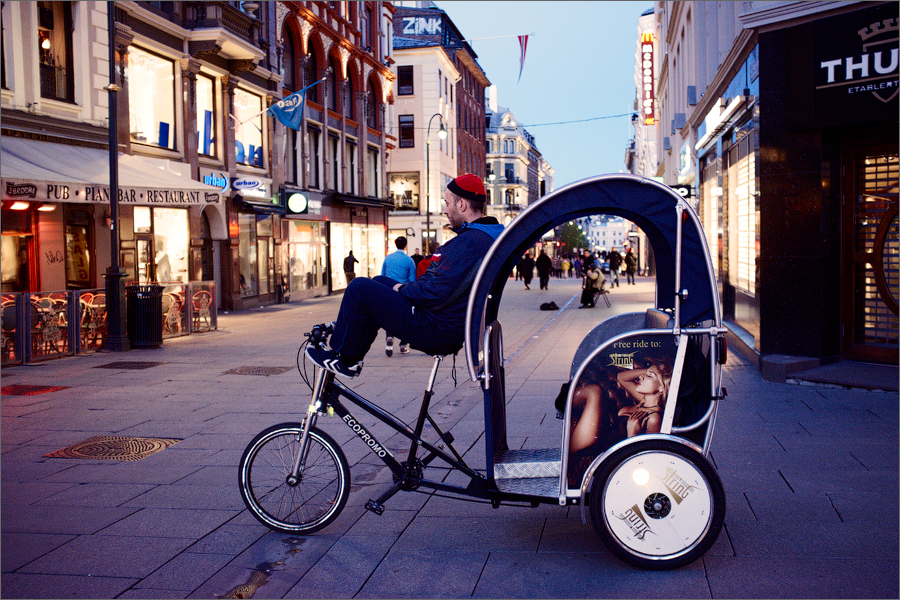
(428, 313)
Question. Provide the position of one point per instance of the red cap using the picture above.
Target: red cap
(468, 186)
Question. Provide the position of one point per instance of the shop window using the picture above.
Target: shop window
(162, 239)
(54, 41)
(151, 99)
(407, 131)
(743, 215)
(206, 116)
(404, 189)
(366, 18)
(78, 250)
(314, 159)
(373, 171)
(16, 251)
(265, 253)
(710, 207)
(405, 85)
(248, 136)
(247, 252)
(303, 253)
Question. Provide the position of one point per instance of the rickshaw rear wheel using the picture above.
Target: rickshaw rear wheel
(657, 504)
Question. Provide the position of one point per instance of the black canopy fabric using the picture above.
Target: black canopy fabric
(648, 204)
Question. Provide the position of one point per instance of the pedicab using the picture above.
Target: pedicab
(638, 413)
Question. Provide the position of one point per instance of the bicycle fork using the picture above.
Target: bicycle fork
(312, 414)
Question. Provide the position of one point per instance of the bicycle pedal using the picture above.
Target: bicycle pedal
(376, 508)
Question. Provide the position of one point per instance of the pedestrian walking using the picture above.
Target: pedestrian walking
(527, 266)
(615, 262)
(544, 265)
(350, 267)
(630, 266)
(400, 268)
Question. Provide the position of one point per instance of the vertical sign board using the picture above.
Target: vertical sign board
(648, 105)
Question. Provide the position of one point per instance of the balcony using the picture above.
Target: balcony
(220, 28)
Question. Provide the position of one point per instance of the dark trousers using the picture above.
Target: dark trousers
(545, 279)
(371, 304)
(629, 276)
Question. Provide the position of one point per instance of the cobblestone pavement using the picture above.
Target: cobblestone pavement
(810, 473)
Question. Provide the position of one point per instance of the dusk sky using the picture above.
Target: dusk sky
(579, 65)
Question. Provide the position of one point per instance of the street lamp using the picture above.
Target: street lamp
(442, 133)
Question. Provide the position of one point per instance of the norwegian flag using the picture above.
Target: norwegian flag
(523, 46)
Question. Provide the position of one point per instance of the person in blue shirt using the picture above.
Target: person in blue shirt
(401, 269)
(430, 312)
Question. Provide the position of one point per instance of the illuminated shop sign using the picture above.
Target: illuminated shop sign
(38, 191)
(648, 105)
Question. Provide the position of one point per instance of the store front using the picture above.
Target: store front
(829, 187)
(304, 245)
(56, 217)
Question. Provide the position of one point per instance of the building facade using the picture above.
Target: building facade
(334, 164)
(439, 86)
(195, 80)
(784, 126)
(516, 173)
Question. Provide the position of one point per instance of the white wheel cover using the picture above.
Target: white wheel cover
(657, 504)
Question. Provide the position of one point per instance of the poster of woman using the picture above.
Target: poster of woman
(620, 393)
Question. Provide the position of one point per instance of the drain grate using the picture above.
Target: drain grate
(30, 390)
(258, 371)
(114, 448)
(129, 365)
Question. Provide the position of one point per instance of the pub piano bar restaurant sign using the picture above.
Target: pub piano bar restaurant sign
(59, 192)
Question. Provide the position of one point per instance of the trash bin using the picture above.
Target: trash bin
(145, 322)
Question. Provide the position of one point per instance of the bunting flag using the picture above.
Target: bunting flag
(523, 45)
(289, 111)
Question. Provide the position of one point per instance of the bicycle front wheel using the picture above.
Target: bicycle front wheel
(307, 505)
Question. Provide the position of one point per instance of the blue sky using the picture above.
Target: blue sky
(579, 65)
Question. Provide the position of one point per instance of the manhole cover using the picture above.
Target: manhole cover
(129, 365)
(114, 448)
(30, 390)
(258, 371)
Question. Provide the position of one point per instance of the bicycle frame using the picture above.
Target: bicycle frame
(327, 393)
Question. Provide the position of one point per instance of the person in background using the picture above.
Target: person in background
(630, 266)
(615, 262)
(402, 269)
(417, 257)
(350, 267)
(526, 266)
(544, 265)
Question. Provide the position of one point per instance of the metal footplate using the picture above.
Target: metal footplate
(527, 464)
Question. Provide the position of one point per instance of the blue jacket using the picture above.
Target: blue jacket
(399, 267)
(443, 291)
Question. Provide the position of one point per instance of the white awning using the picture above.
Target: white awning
(48, 172)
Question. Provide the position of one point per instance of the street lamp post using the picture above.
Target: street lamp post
(442, 133)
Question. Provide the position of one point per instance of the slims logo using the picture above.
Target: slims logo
(364, 436)
(21, 190)
(677, 486)
(635, 521)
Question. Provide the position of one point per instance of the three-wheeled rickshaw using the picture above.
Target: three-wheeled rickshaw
(637, 421)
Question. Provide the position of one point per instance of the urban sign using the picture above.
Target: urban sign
(421, 26)
(246, 183)
(648, 106)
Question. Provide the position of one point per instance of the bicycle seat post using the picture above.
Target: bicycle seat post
(423, 412)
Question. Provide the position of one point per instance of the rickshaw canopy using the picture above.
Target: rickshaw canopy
(644, 202)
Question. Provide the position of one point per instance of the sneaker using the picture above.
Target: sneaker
(404, 348)
(389, 346)
(331, 361)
